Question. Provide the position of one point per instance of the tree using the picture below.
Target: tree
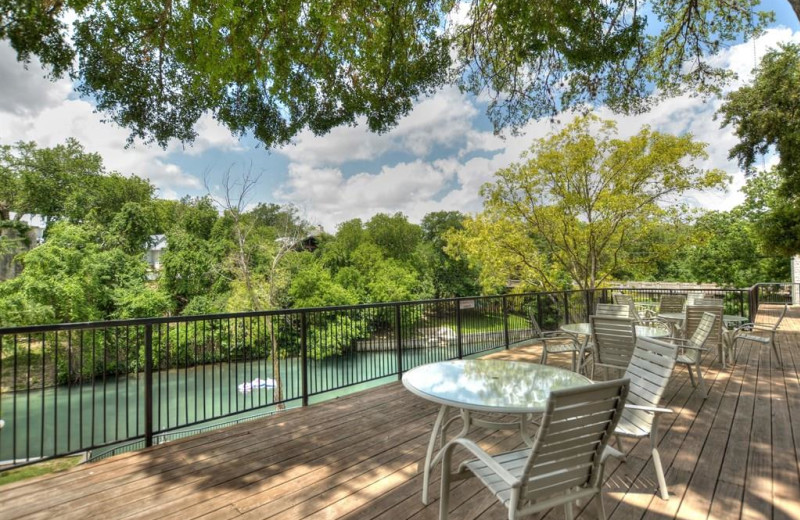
(450, 276)
(78, 275)
(765, 115)
(395, 236)
(275, 70)
(728, 252)
(583, 198)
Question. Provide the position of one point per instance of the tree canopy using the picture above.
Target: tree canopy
(583, 199)
(765, 115)
(273, 69)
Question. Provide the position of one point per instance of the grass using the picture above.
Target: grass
(42, 468)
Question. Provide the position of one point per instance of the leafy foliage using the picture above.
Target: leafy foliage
(764, 115)
(274, 69)
(583, 198)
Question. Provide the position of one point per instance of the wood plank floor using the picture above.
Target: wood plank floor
(733, 455)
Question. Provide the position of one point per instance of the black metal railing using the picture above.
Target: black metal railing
(774, 293)
(70, 388)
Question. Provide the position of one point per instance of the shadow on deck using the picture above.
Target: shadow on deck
(732, 455)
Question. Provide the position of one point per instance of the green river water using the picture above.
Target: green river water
(66, 419)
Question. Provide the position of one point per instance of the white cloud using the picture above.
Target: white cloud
(33, 108)
(330, 198)
(24, 91)
(444, 120)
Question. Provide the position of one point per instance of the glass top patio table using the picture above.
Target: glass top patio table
(490, 385)
(484, 385)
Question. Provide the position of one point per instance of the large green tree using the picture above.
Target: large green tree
(764, 115)
(583, 198)
(450, 276)
(275, 68)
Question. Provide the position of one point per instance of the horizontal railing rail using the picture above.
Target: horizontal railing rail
(74, 387)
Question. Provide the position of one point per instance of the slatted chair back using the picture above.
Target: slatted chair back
(613, 310)
(627, 300)
(671, 303)
(694, 315)
(702, 333)
(566, 455)
(614, 339)
(649, 372)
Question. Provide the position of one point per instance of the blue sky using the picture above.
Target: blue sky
(435, 159)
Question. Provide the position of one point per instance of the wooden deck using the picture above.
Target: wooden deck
(732, 455)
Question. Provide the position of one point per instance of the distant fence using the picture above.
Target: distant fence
(71, 388)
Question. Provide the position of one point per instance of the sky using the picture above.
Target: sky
(435, 159)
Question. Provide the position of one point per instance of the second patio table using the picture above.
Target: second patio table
(484, 385)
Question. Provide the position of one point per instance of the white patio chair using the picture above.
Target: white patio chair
(555, 342)
(613, 340)
(694, 314)
(613, 310)
(692, 349)
(743, 333)
(649, 372)
(564, 464)
(671, 303)
(638, 313)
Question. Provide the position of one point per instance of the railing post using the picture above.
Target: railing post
(752, 311)
(539, 309)
(459, 344)
(741, 303)
(304, 358)
(398, 340)
(589, 302)
(505, 322)
(148, 385)
(566, 307)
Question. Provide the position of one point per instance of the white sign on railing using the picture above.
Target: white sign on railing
(466, 304)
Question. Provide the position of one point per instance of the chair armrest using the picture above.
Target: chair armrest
(484, 457)
(693, 347)
(763, 327)
(676, 340)
(610, 451)
(651, 409)
(557, 334)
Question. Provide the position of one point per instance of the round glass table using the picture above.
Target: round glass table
(484, 385)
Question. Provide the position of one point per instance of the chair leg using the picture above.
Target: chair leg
(618, 443)
(444, 494)
(601, 508)
(574, 361)
(777, 354)
(543, 359)
(662, 482)
(691, 375)
(701, 380)
(568, 514)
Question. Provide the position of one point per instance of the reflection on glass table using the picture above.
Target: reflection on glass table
(484, 385)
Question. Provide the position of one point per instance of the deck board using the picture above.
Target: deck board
(732, 455)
